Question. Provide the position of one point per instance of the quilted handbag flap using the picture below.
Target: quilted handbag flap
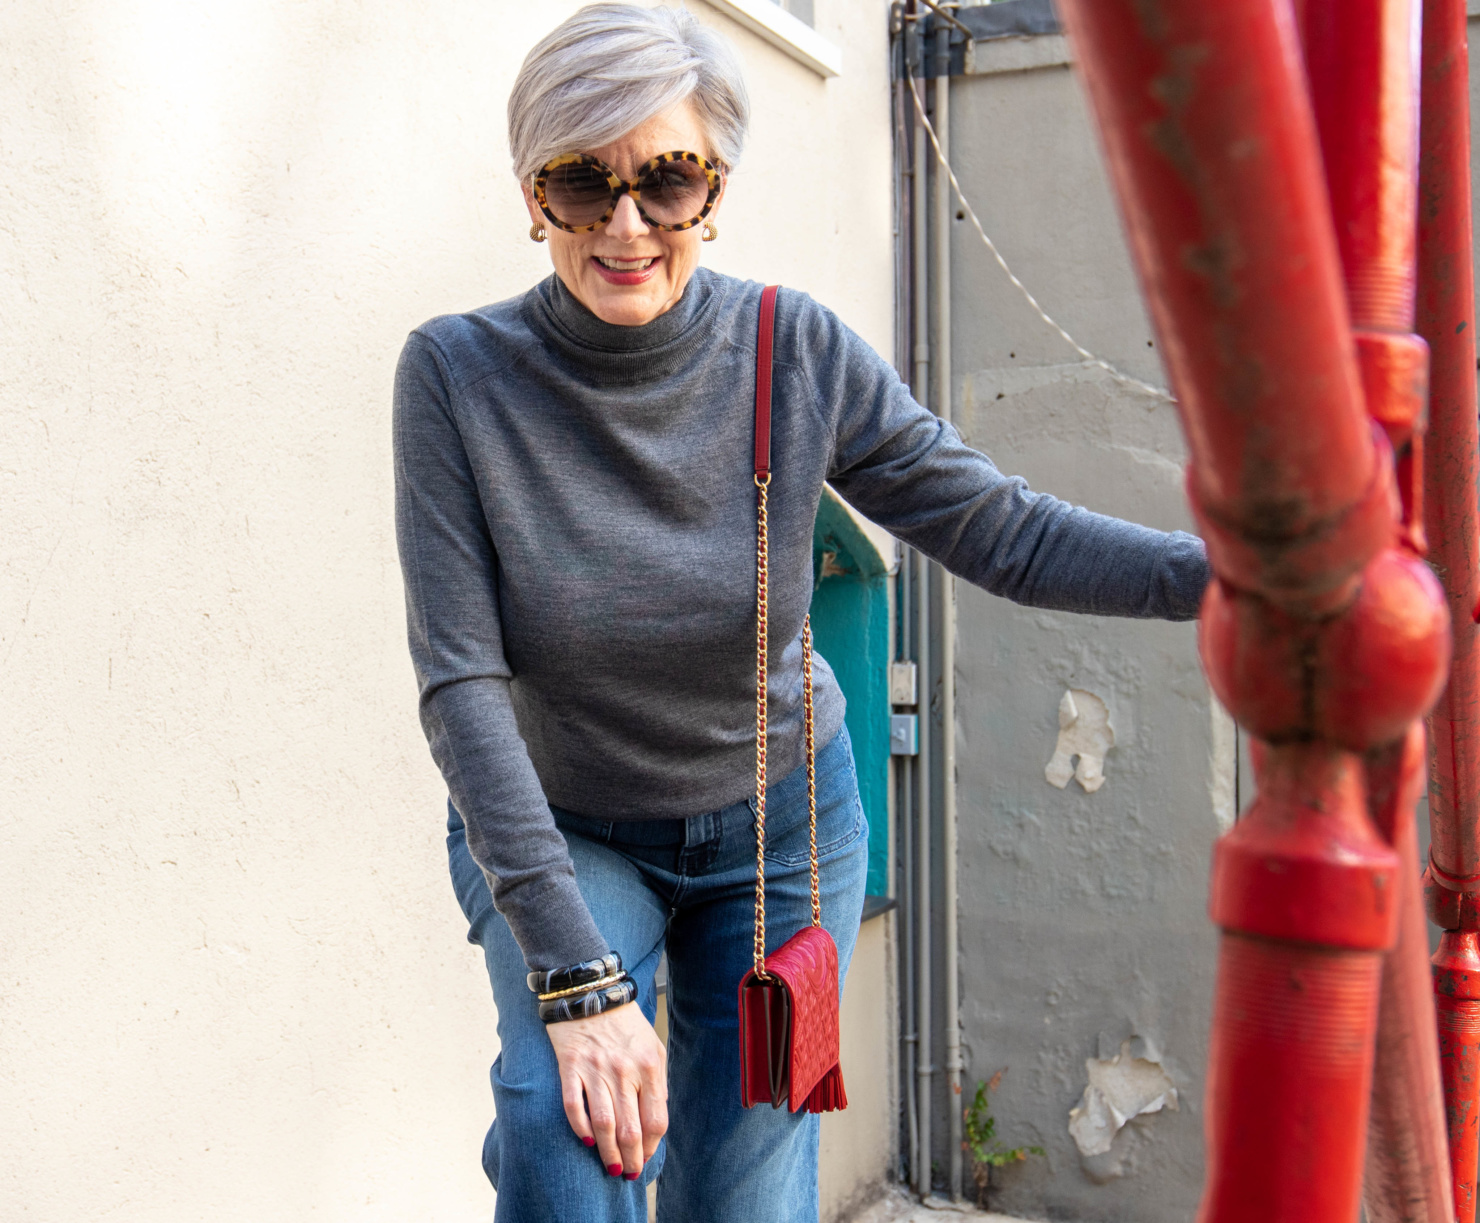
(807, 964)
(765, 1022)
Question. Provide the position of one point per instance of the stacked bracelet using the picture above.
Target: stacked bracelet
(591, 1002)
(582, 990)
(586, 973)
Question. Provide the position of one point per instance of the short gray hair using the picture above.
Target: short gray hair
(610, 67)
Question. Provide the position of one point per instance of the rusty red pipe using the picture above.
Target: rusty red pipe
(1446, 305)
(1213, 148)
(1319, 635)
(1445, 318)
(1407, 1177)
(1294, 1018)
(1362, 63)
(1457, 987)
(1361, 58)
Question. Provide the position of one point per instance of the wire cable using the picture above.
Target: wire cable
(1088, 357)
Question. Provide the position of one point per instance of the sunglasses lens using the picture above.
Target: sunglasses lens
(577, 195)
(674, 192)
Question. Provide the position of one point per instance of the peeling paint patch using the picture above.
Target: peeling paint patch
(1085, 732)
(1120, 1087)
(830, 567)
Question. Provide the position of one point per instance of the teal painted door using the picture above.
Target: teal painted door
(850, 628)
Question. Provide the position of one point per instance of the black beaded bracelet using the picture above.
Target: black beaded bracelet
(593, 1002)
(587, 973)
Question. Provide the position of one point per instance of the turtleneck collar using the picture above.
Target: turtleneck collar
(578, 323)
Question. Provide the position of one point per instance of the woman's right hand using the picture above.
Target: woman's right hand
(614, 1082)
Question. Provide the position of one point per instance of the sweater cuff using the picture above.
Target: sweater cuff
(1184, 576)
(553, 926)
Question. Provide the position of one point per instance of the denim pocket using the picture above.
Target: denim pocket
(795, 847)
(840, 818)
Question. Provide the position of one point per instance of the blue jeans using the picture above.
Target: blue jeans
(687, 886)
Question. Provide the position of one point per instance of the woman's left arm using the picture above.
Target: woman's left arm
(911, 473)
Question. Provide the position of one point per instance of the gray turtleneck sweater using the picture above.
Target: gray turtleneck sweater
(576, 520)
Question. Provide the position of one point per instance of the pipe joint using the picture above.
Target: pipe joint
(1452, 902)
(1467, 885)
(1305, 864)
(1457, 966)
(1395, 380)
(1357, 679)
(1313, 572)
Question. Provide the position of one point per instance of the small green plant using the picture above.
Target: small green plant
(982, 1144)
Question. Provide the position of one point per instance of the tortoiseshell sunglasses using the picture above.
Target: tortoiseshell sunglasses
(579, 193)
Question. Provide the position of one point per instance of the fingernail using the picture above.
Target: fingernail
(590, 1142)
(614, 1169)
(632, 1176)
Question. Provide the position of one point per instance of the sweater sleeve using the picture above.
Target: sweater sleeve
(450, 568)
(910, 472)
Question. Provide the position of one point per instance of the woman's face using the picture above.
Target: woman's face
(627, 272)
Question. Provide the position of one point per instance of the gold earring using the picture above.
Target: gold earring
(536, 233)
(709, 233)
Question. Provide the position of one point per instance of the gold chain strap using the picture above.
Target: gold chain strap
(762, 668)
(762, 626)
(811, 765)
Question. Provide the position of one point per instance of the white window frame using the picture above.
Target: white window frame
(785, 32)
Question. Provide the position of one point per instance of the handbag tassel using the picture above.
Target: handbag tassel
(828, 1096)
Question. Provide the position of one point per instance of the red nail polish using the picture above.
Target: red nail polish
(614, 1169)
(632, 1176)
(590, 1142)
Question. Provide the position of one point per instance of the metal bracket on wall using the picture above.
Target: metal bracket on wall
(903, 683)
(904, 734)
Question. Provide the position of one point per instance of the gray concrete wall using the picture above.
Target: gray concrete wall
(1083, 915)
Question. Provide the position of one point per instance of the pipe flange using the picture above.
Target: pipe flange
(1465, 885)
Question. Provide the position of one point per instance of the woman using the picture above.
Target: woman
(575, 513)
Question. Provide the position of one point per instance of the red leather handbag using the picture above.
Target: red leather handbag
(789, 1000)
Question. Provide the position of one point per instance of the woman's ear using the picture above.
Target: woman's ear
(535, 214)
(724, 185)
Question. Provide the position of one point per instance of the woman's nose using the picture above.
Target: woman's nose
(626, 224)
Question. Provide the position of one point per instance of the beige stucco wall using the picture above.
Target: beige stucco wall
(233, 984)
(857, 1145)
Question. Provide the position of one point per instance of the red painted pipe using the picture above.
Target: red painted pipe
(1319, 636)
(1361, 60)
(1446, 319)
(1212, 146)
(1457, 976)
(1290, 1065)
(1407, 1177)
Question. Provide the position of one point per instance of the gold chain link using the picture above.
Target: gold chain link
(762, 627)
(762, 668)
(811, 764)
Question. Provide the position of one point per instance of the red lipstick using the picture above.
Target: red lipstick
(636, 276)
